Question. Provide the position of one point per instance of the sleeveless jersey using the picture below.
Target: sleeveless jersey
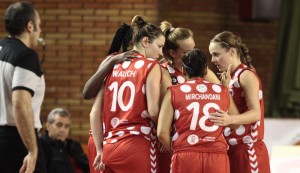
(193, 101)
(176, 75)
(247, 133)
(125, 105)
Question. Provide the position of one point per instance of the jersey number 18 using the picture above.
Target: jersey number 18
(195, 106)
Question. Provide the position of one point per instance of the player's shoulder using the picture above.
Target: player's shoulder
(164, 65)
(216, 87)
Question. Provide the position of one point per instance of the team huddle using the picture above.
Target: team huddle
(158, 107)
(173, 114)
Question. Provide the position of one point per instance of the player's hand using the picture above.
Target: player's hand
(126, 56)
(98, 164)
(225, 77)
(163, 149)
(220, 118)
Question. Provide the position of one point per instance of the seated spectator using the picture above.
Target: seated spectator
(62, 154)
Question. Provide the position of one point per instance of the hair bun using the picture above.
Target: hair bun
(138, 22)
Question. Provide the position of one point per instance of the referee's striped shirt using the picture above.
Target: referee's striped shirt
(19, 70)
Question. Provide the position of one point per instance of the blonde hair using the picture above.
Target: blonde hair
(142, 29)
(173, 35)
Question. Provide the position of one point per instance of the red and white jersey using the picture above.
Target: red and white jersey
(248, 133)
(176, 75)
(193, 101)
(125, 104)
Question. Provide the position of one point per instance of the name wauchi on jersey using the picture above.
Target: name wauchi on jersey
(248, 133)
(125, 104)
(193, 101)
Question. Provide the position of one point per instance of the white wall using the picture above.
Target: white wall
(281, 132)
(280, 137)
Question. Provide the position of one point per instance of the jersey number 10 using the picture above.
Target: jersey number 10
(118, 95)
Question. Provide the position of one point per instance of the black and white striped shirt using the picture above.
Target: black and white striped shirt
(19, 70)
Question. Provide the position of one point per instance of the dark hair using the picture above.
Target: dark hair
(227, 39)
(122, 38)
(173, 35)
(195, 63)
(17, 17)
(142, 29)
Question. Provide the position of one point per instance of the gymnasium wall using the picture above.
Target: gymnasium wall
(78, 34)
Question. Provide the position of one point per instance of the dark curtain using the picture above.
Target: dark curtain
(285, 97)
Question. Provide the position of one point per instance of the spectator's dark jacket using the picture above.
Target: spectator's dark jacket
(64, 157)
